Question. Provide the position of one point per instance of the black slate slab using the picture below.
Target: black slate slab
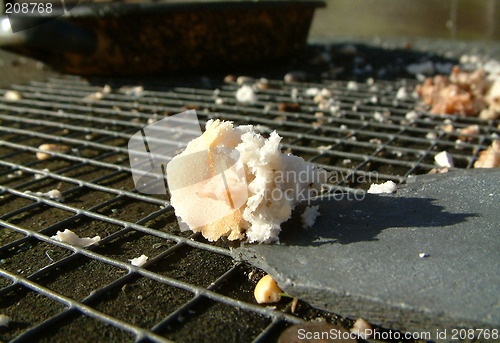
(361, 258)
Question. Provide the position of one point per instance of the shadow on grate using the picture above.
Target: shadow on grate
(79, 329)
(26, 309)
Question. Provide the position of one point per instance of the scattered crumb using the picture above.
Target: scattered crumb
(246, 95)
(4, 320)
(51, 148)
(241, 80)
(447, 128)
(423, 255)
(139, 261)
(438, 170)
(352, 86)
(309, 216)
(375, 141)
(267, 290)
(324, 105)
(98, 95)
(402, 94)
(68, 236)
(12, 96)
(362, 328)
(412, 116)
(378, 117)
(459, 144)
(431, 135)
(324, 147)
(136, 91)
(229, 78)
(489, 158)
(311, 92)
(54, 194)
(386, 187)
(469, 130)
(264, 84)
(295, 76)
(288, 107)
(444, 159)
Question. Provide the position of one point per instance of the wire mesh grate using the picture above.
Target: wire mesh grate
(190, 289)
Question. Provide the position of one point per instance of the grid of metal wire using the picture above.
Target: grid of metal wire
(364, 136)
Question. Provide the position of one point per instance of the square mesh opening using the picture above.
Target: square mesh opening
(81, 329)
(207, 320)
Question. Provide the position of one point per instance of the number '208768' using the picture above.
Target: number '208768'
(28, 7)
(461, 334)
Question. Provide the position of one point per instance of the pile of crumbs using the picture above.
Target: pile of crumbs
(474, 93)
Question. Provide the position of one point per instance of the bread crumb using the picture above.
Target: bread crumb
(402, 94)
(246, 95)
(139, 261)
(52, 148)
(412, 116)
(295, 76)
(68, 236)
(12, 96)
(469, 130)
(489, 158)
(241, 80)
(352, 86)
(386, 187)
(362, 328)
(312, 92)
(267, 290)
(55, 194)
(309, 216)
(444, 159)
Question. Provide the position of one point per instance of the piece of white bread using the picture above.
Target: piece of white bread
(233, 182)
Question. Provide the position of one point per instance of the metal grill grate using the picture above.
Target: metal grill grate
(190, 289)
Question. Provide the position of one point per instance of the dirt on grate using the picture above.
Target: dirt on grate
(209, 321)
(25, 309)
(142, 301)
(78, 328)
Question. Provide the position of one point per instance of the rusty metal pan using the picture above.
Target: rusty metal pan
(163, 37)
